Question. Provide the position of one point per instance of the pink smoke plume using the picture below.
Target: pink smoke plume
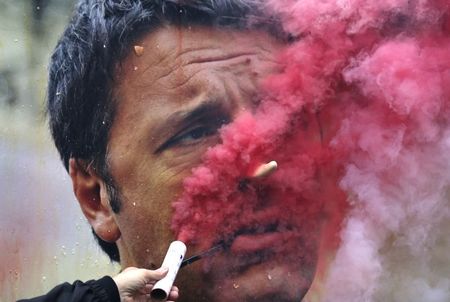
(359, 122)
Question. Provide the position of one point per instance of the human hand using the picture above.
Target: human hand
(135, 284)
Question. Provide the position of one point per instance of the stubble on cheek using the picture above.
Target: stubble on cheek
(144, 222)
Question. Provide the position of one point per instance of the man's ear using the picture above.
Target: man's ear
(90, 190)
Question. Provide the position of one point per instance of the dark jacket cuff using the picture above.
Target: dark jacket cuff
(107, 288)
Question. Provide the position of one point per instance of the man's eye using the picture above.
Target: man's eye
(191, 136)
(195, 134)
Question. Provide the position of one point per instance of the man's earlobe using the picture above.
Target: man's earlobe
(91, 193)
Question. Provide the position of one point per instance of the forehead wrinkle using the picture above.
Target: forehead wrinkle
(226, 63)
(177, 63)
(176, 52)
(182, 52)
(184, 81)
(217, 59)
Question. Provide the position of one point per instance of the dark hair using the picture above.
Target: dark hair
(81, 71)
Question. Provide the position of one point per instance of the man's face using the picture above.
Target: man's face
(172, 99)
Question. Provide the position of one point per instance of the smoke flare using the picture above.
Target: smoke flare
(359, 123)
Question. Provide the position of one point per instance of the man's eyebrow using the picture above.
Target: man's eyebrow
(181, 119)
(207, 107)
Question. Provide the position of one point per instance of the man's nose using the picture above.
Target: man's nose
(249, 102)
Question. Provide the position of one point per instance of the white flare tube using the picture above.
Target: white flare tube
(172, 261)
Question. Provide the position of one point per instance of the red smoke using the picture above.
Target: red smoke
(362, 107)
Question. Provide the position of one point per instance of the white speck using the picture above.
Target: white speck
(16, 40)
(269, 277)
(134, 204)
(135, 68)
(38, 7)
(44, 278)
(235, 286)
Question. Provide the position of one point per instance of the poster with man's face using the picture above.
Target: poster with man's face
(299, 149)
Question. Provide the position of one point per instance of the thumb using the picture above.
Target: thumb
(154, 275)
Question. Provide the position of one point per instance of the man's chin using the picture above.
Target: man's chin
(267, 280)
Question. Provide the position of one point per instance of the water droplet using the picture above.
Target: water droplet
(269, 277)
(135, 68)
(235, 285)
(134, 204)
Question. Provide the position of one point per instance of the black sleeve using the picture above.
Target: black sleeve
(102, 290)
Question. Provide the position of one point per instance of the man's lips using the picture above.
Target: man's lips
(249, 248)
(263, 238)
(258, 239)
(252, 243)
